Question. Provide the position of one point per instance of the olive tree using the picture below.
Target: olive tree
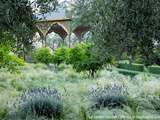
(17, 18)
(128, 26)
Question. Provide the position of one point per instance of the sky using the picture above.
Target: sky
(58, 0)
(61, 1)
(59, 14)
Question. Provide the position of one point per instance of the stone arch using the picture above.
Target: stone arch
(58, 29)
(80, 31)
(61, 27)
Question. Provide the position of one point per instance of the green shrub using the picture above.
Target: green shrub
(83, 59)
(60, 55)
(14, 62)
(9, 61)
(39, 102)
(111, 96)
(3, 112)
(92, 65)
(133, 67)
(154, 69)
(42, 55)
(77, 54)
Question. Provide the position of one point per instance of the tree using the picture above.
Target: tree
(83, 60)
(120, 26)
(45, 6)
(140, 21)
(7, 39)
(17, 18)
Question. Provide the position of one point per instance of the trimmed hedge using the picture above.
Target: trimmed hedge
(133, 67)
(154, 69)
(128, 72)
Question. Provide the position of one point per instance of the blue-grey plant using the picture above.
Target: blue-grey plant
(109, 96)
(39, 102)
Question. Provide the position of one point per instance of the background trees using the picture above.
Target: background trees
(123, 26)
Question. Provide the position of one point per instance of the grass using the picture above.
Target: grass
(75, 89)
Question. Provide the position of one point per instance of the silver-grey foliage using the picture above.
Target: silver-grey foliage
(38, 102)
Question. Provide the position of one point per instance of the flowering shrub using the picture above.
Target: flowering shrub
(110, 96)
(39, 102)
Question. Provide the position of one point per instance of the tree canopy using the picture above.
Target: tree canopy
(18, 18)
(120, 26)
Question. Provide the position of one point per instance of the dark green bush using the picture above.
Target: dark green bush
(155, 69)
(128, 72)
(157, 55)
(42, 55)
(7, 39)
(3, 112)
(9, 61)
(133, 67)
(110, 96)
(60, 55)
(39, 102)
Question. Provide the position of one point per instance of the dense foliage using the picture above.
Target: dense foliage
(83, 59)
(9, 60)
(120, 26)
(60, 55)
(6, 38)
(42, 55)
(18, 18)
(46, 5)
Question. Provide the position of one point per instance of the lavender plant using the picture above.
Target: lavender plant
(39, 102)
(109, 96)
